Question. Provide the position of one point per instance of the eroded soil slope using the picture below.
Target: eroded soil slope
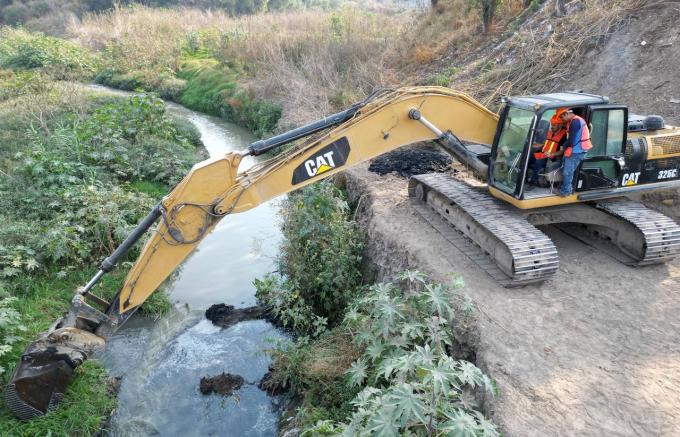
(594, 351)
(639, 64)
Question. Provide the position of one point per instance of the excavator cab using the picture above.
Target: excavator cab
(524, 122)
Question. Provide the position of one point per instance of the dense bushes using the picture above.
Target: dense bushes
(72, 182)
(60, 59)
(386, 368)
(319, 260)
(77, 172)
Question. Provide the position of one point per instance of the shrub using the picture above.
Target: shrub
(321, 252)
(10, 323)
(386, 369)
(61, 59)
(319, 260)
(411, 385)
(135, 140)
(186, 130)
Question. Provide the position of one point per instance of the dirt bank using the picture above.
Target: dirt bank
(594, 351)
(638, 64)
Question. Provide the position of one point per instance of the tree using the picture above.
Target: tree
(487, 9)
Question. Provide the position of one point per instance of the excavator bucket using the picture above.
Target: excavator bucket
(45, 370)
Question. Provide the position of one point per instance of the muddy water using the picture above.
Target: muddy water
(161, 361)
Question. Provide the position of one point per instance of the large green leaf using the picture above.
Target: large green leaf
(408, 405)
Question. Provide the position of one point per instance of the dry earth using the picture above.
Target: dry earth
(639, 65)
(593, 352)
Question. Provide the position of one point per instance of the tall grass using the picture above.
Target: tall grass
(311, 62)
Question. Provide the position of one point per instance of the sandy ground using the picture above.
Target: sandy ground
(593, 352)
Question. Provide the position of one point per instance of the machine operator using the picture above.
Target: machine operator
(578, 144)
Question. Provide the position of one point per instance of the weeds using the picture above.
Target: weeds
(319, 260)
(293, 64)
(20, 50)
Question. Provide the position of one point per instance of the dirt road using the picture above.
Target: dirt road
(593, 352)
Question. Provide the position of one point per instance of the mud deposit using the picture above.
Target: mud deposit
(224, 316)
(223, 384)
(594, 351)
(412, 161)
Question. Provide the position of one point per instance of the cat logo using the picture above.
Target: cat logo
(330, 157)
(630, 179)
(320, 165)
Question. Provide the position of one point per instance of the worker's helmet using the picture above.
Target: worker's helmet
(561, 111)
(555, 119)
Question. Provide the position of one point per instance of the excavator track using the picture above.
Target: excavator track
(657, 240)
(516, 248)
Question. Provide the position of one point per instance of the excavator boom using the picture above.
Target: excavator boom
(214, 189)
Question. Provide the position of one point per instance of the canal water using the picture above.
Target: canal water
(161, 361)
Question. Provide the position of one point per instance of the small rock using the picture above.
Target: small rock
(643, 43)
(676, 101)
(223, 384)
(668, 202)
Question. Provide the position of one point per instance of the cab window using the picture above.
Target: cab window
(607, 132)
(507, 169)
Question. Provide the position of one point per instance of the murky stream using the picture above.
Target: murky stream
(162, 361)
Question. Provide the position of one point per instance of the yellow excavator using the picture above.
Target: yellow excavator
(629, 154)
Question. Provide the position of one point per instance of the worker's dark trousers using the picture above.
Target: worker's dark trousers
(537, 165)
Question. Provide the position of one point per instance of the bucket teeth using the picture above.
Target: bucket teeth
(45, 370)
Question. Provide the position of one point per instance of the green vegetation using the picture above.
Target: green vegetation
(202, 84)
(60, 59)
(367, 359)
(319, 261)
(212, 88)
(79, 170)
(385, 369)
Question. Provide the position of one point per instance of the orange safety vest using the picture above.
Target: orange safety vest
(585, 137)
(551, 144)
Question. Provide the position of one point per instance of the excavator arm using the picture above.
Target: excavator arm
(214, 189)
